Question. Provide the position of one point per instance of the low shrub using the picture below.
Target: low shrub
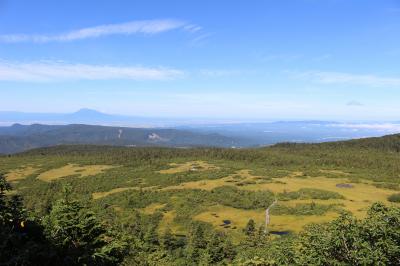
(310, 193)
(394, 197)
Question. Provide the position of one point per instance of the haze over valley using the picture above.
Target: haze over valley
(23, 131)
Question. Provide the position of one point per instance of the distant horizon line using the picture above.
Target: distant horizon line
(232, 119)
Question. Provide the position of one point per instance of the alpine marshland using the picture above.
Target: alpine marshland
(171, 206)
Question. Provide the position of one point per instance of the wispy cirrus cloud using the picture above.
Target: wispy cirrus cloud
(200, 39)
(50, 71)
(128, 28)
(192, 28)
(354, 103)
(350, 79)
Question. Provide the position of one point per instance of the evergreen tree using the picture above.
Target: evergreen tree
(250, 228)
(261, 237)
(5, 212)
(77, 234)
(136, 227)
(167, 240)
(219, 250)
(151, 236)
(21, 240)
(349, 241)
(196, 242)
(214, 251)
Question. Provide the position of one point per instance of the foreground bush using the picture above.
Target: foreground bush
(374, 240)
(69, 235)
(349, 241)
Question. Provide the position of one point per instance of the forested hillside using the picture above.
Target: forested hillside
(18, 138)
(390, 143)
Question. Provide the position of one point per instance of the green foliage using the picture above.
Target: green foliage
(168, 241)
(280, 251)
(309, 193)
(232, 196)
(218, 249)
(21, 239)
(78, 235)
(348, 241)
(394, 197)
(92, 226)
(250, 228)
(208, 247)
(393, 186)
(254, 237)
(303, 209)
(374, 240)
(151, 236)
(196, 242)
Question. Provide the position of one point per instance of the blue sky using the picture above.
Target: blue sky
(286, 59)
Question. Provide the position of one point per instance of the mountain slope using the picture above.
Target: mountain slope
(388, 143)
(19, 138)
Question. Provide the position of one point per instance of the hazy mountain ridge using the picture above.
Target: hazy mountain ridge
(389, 143)
(82, 116)
(19, 138)
(159, 131)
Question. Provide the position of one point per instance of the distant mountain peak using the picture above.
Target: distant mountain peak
(87, 111)
(15, 125)
(86, 115)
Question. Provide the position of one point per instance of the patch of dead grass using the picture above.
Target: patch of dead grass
(73, 169)
(102, 194)
(98, 195)
(152, 208)
(357, 199)
(168, 222)
(188, 166)
(239, 218)
(20, 173)
(240, 176)
(339, 172)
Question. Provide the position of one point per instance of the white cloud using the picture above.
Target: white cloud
(200, 39)
(350, 79)
(128, 28)
(49, 71)
(192, 28)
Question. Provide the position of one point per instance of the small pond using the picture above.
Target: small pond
(344, 185)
